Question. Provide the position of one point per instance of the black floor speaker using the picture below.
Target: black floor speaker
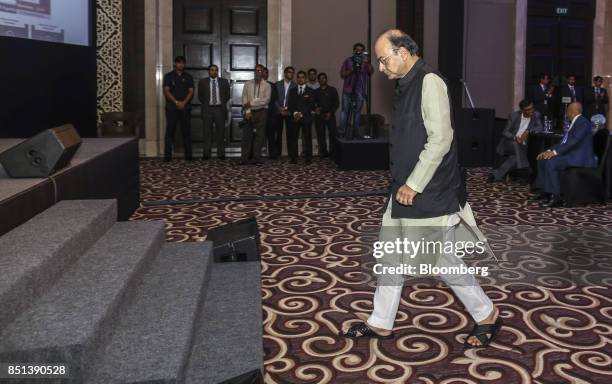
(237, 241)
(474, 129)
(252, 377)
(43, 154)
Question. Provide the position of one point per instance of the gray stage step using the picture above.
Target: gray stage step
(153, 339)
(228, 341)
(35, 254)
(76, 315)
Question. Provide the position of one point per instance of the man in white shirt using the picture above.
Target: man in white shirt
(513, 144)
(255, 98)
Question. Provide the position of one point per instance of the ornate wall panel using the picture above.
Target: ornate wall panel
(109, 42)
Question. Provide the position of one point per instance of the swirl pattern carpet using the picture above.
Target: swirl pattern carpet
(552, 280)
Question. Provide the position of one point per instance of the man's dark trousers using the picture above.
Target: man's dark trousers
(549, 174)
(305, 125)
(174, 116)
(273, 147)
(282, 122)
(322, 125)
(214, 114)
(254, 136)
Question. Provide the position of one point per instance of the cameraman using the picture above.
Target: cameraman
(355, 71)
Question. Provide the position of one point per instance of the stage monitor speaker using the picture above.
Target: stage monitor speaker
(474, 129)
(237, 241)
(252, 377)
(43, 154)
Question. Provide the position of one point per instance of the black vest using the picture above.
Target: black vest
(445, 193)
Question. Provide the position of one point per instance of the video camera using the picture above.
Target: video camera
(358, 59)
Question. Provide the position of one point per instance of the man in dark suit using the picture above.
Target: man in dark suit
(282, 112)
(271, 121)
(542, 95)
(301, 106)
(513, 143)
(327, 103)
(214, 93)
(570, 93)
(575, 150)
(596, 99)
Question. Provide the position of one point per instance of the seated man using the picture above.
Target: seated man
(575, 150)
(513, 143)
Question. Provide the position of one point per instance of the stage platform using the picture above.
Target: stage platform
(101, 169)
(367, 154)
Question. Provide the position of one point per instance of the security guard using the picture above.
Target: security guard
(178, 90)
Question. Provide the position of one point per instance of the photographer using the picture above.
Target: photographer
(355, 71)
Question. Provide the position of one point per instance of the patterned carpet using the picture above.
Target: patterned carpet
(552, 282)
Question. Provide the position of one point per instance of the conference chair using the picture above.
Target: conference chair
(119, 124)
(586, 185)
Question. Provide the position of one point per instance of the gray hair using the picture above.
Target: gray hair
(399, 39)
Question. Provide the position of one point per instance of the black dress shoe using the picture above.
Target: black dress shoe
(167, 159)
(553, 202)
(308, 161)
(540, 196)
(293, 161)
(222, 157)
(205, 158)
(492, 179)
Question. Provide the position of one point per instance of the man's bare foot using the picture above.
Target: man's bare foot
(491, 319)
(364, 317)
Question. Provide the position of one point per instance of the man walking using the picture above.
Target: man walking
(428, 197)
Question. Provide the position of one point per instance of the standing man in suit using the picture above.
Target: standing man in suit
(327, 102)
(575, 150)
(214, 93)
(271, 119)
(542, 96)
(596, 99)
(283, 118)
(178, 90)
(570, 93)
(301, 107)
(255, 99)
(513, 143)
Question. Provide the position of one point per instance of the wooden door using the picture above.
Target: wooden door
(560, 40)
(229, 33)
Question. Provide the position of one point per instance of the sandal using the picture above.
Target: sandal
(361, 330)
(485, 333)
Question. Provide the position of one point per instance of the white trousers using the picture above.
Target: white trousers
(465, 286)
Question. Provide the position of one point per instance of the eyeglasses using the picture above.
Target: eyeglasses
(383, 60)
